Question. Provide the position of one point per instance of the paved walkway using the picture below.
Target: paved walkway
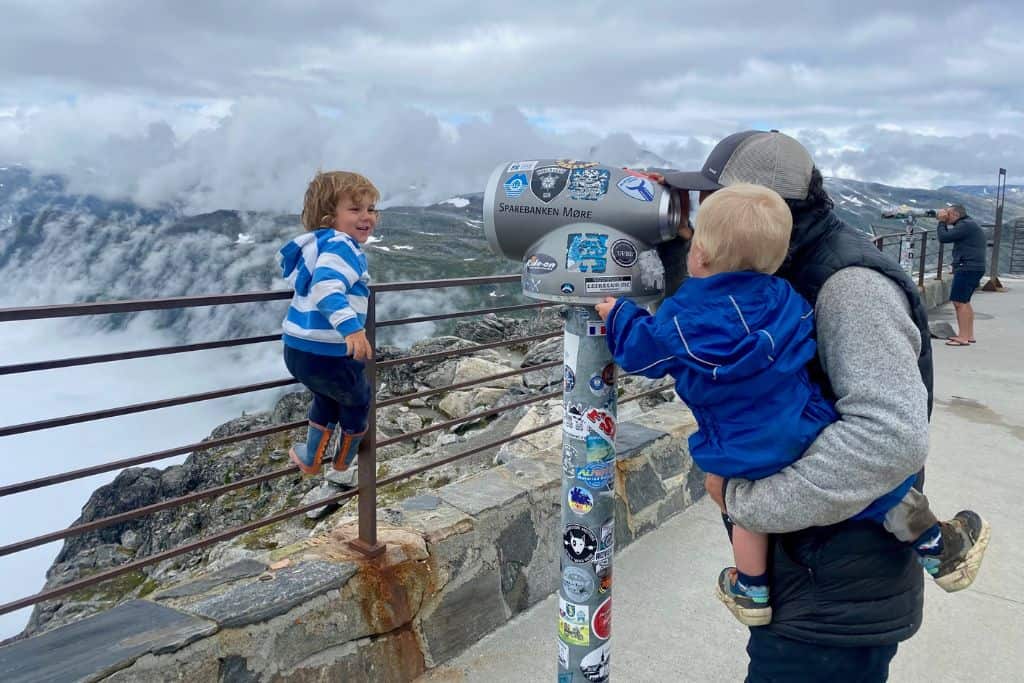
(669, 627)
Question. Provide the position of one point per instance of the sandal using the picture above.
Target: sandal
(956, 342)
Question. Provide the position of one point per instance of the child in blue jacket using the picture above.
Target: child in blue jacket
(324, 339)
(737, 341)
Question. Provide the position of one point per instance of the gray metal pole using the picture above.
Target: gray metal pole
(993, 284)
(588, 500)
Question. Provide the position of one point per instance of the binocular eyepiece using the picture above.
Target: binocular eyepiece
(582, 230)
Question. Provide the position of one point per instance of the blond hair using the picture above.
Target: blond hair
(744, 227)
(327, 189)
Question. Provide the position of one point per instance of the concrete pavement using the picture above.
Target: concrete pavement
(669, 627)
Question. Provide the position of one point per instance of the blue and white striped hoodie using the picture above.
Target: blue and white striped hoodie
(329, 273)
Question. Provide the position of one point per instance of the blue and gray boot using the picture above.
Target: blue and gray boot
(310, 455)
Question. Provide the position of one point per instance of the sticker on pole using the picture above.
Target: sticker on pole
(573, 613)
(597, 475)
(596, 329)
(601, 422)
(563, 656)
(573, 634)
(571, 350)
(601, 625)
(597, 665)
(577, 584)
(599, 449)
(581, 501)
(605, 547)
(579, 542)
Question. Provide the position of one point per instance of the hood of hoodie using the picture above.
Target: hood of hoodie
(297, 260)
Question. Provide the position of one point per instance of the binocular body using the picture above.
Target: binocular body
(582, 230)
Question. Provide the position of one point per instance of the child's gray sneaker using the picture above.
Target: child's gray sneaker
(749, 604)
(964, 541)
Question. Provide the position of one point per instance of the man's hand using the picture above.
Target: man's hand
(359, 346)
(605, 307)
(715, 486)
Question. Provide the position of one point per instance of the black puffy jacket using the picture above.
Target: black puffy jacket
(969, 244)
(853, 583)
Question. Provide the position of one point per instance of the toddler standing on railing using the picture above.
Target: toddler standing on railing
(325, 342)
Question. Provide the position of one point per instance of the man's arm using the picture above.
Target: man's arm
(868, 346)
(946, 234)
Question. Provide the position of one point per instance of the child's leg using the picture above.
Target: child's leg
(950, 551)
(354, 408)
(744, 590)
(751, 552)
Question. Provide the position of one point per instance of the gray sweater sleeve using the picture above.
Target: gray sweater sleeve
(868, 345)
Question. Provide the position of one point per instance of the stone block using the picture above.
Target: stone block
(262, 600)
(101, 644)
(396, 658)
(489, 489)
(631, 438)
(642, 487)
(515, 546)
(463, 613)
(243, 569)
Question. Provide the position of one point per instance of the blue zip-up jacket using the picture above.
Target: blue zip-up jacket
(328, 271)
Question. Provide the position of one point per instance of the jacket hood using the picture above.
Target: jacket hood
(297, 260)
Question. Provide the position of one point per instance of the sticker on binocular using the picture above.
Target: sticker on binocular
(588, 184)
(608, 285)
(540, 264)
(518, 166)
(548, 182)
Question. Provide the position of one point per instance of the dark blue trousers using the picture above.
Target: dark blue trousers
(774, 659)
(341, 393)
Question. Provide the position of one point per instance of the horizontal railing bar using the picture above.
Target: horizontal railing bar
(173, 552)
(467, 418)
(404, 360)
(438, 284)
(133, 305)
(405, 398)
(460, 314)
(129, 355)
(143, 511)
(464, 454)
(141, 407)
(149, 457)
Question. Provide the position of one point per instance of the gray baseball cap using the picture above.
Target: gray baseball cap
(767, 158)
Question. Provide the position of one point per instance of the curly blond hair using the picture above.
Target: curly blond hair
(327, 189)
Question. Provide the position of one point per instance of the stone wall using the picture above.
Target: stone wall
(461, 561)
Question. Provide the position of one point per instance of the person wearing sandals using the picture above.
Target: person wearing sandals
(969, 242)
(325, 342)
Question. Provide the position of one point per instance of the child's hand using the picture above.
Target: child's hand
(359, 346)
(605, 307)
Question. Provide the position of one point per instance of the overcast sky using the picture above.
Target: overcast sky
(235, 104)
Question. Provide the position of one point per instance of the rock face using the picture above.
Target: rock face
(115, 545)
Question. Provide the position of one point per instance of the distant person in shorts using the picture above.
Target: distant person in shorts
(969, 242)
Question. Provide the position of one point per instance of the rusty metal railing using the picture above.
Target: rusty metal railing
(918, 236)
(368, 483)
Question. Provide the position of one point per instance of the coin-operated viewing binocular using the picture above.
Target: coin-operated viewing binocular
(582, 230)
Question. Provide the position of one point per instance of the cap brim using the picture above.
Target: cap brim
(690, 180)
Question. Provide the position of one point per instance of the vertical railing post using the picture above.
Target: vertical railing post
(938, 266)
(920, 267)
(367, 543)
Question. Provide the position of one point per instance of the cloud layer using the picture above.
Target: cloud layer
(226, 104)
